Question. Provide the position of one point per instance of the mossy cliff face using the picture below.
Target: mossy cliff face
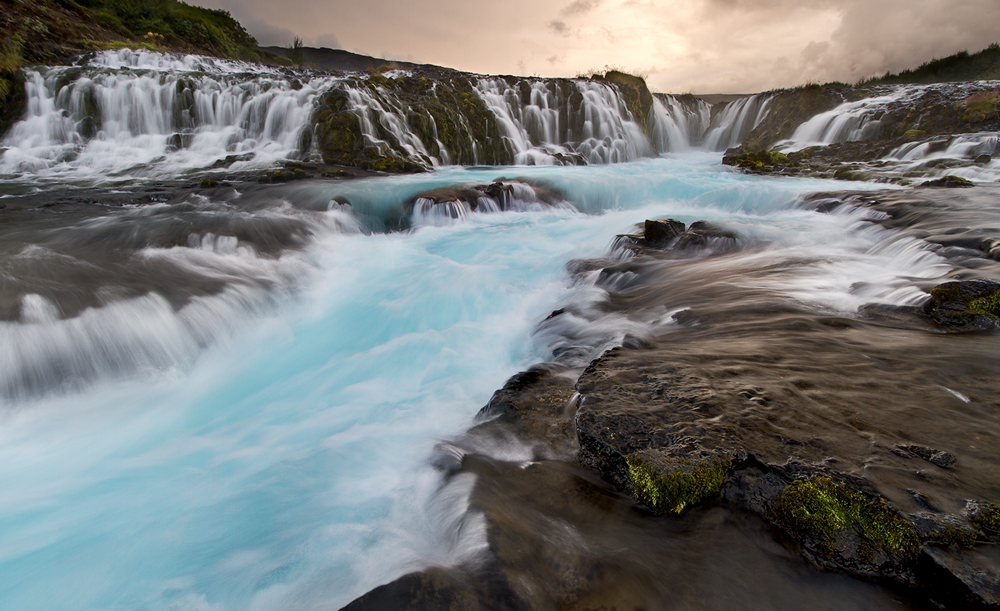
(789, 109)
(636, 94)
(12, 95)
(450, 120)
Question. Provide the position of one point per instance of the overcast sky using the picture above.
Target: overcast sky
(698, 46)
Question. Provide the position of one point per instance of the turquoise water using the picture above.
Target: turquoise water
(285, 463)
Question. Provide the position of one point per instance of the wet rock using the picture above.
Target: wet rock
(536, 405)
(949, 182)
(673, 235)
(968, 305)
(936, 457)
(659, 233)
(431, 590)
(969, 578)
(983, 159)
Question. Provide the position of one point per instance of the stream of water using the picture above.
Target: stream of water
(228, 400)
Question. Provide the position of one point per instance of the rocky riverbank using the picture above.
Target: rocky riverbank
(862, 445)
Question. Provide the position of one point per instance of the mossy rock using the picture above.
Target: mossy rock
(635, 92)
(988, 519)
(820, 510)
(759, 161)
(671, 493)
(968, 305)
(949, 182)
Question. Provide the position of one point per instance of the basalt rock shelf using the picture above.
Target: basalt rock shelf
(863, 445)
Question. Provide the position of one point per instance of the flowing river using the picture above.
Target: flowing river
(229, 398)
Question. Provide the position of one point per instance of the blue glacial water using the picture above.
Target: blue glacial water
(285, 462)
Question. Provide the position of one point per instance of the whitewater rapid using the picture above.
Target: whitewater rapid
(229, 398)
(284, 460)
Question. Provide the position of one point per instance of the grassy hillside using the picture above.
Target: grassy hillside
(50, 31)
(963, 66)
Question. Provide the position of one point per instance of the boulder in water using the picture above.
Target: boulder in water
(968, 305)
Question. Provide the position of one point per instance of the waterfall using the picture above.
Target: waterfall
(679, 124)
(91, 122)
(586, 122)
(734, 122)
(128, 114)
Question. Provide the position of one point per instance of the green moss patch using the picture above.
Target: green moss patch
(673, 492)
(760, 161)
(820, 509)
(982, 106)
(986, 306)
(988, 519)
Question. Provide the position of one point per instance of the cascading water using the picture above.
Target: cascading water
(679, 125)
(92, 124)
(735, 121)
(228, 399)
(132, 114)
(867, 118)
(586, 122)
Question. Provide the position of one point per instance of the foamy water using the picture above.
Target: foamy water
(268, 446)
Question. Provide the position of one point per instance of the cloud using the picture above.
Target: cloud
(580, 7)
(559, 27)
(704, 46)
(266, 33)
(327, 40)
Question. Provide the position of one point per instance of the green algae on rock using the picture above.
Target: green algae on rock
(673, 492)
(819, 509)
(760, 161)
(968, 305)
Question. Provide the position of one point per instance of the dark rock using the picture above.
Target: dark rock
(949, 182)
(658, 233)
(967, 578)
(967, 305)
(984, 159)
(431, 590)
(936, 457)
(711, 230)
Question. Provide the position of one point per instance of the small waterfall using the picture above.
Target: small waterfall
(730, 126)
(447, 205)
(970, 156)
(848, 122)
(580, 122)
(679, 124)
(869, 118)
(92, 123)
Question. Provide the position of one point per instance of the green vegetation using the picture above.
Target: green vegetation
(959, 537)
(821, 509)
(672, 492)
(12, 97)
(761, 161)
(52, 30)
(633, 88)
(169, 20)
(982, 106)
(988, 519)
(296, 52)
(963, 66)
(988, 305)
